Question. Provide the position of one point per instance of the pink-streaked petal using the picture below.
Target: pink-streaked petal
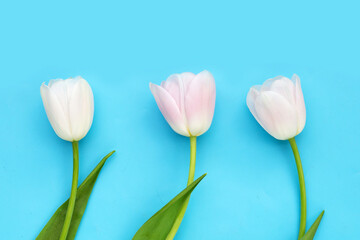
(176, 86)
(300, 103)
(169, 109)
(200, 103)
(186, 78)
(276, 115)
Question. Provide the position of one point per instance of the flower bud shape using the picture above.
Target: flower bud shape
(69, 106)
(187, 101)
(278, 105)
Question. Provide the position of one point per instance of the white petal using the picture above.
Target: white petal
(60, 89)
(276, 115)
(281, 85)
(54, 110)
(81, 107)
(251, 98)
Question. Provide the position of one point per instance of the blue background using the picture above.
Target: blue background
(251, 190)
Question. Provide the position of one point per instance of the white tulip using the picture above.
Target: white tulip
(69, 106)
(278, 105)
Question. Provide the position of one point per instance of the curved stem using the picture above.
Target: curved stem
(180, 217)
(72, 199)
(302, 188)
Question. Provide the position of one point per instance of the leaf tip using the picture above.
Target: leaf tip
(109, 154)
(202, 176)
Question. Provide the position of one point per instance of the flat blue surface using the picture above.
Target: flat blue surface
(251, 190)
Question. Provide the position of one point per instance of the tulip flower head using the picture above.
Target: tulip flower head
(187, 101)
(278, 105)
(69, 106)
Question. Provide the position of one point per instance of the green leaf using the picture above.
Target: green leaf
(311, 232)
(52, 229)
(160, 224)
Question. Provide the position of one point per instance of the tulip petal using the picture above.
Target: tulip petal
(55, 112)
(300, 104)
(276, 115)
(200, 103)
(169, 109)
(176, 85)
(59, 88)
(81, 107)
(251, 98)
(281, 85)
(69, 105)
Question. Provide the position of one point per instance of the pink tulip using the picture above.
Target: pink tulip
(187, 101)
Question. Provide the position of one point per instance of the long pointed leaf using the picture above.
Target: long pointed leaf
(160, 224)
(311, 232)
(52, 229)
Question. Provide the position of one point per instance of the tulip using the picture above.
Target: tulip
(278, 105)
(69, 105)
(187, 102)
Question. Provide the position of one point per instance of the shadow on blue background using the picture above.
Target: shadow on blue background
(251, 191)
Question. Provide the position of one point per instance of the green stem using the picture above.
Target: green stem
(72, 199)
(302, 188)
(192, 160)
(179, 218)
